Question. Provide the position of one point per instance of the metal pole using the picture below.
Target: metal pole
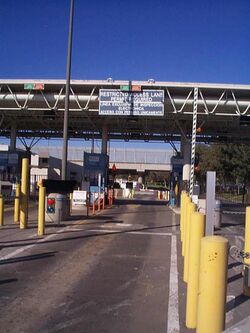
(66, 111)
(193, 141)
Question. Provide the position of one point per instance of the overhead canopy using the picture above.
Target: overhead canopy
(35, 108)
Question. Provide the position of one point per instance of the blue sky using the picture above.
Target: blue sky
(194, 41)
(187, 41)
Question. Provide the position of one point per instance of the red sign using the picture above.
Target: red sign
(136, 88)
(38, 86)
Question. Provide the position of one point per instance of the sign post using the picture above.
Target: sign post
(210, 202)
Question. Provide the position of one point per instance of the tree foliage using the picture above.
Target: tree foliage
(230, 161)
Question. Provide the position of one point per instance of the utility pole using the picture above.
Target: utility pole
(66, 111)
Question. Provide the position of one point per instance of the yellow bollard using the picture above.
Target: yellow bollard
(183, 196)
(24, 194)
(246, 289)
(167, 195)
(191, 208)
(41, 211)
(1, 211)
(212, 285)
(197, 231)
(70, 201)
(187, 200)
(17, 204)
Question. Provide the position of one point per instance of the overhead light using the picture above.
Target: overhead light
(151, 81)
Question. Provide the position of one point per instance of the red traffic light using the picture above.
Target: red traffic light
(197, 168)
(51, 201)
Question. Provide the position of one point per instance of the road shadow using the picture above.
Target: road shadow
(28, 258)
(234, 264)
(234, 278)
(233, 303)
(93, 234)
(143, 202)
(8, 281)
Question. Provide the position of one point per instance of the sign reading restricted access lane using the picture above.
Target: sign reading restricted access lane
(127, 103)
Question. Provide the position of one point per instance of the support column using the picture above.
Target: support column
(104, 140)
(13, 137)
(186, 154)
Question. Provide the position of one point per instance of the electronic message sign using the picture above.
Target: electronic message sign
(131, 103)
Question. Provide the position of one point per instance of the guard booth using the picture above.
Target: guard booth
(10, 170)
(57, 203)
(95, 172)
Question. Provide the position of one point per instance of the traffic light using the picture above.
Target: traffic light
(197, 168)
(51, 205)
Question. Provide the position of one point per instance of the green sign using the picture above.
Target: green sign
(29, 86)
(125, 88)
(34, 86)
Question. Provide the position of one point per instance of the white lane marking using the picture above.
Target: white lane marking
(21, 249)
(173, 307)
(230, 308)
(16, 252)
(174, 222)
(233, 212)
(130, 232)
(113, 225)
(38, 241)
(151, 233)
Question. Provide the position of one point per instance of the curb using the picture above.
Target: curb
(175, 210)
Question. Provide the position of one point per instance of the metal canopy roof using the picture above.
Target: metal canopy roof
(39, 113)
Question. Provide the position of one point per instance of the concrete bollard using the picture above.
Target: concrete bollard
(24, 194)
(41, 211)
(246, 289)
(1, 211)
(187, 200)
(191, 208)
(197, 231)
(17, 204)
(212, 285)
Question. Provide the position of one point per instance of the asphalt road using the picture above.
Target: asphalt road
(110, 273)
(118, 271)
